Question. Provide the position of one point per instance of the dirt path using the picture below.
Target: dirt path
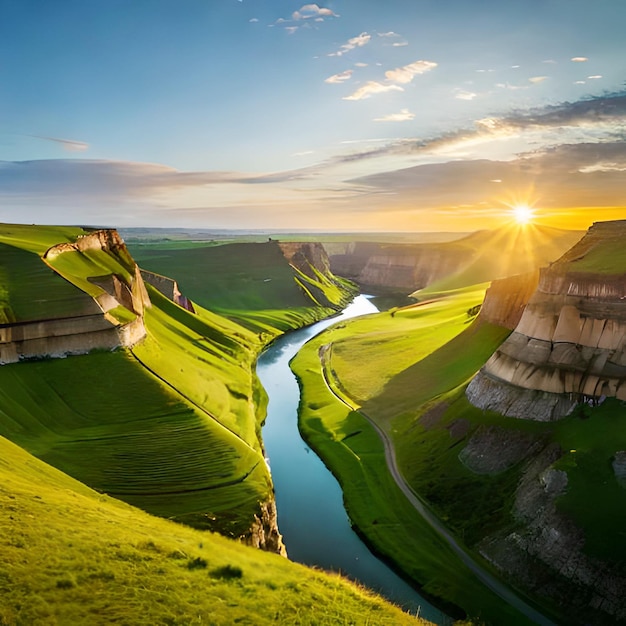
(498, 587)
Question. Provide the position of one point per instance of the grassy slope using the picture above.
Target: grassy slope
(353, 451)
(72, 556)
(177, 437)
(249, 282)
(172, 426)
(395, 340)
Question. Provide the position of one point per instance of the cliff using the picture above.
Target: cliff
(398, 267)
(570, 343)
(506, 299)
(480, 257)
(105, 310)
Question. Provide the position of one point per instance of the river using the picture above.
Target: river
(311, 516)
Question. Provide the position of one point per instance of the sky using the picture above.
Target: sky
(346, 115)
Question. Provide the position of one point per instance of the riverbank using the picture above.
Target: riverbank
(376, 504)
(311, 514)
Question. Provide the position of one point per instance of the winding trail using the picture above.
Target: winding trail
(499, 588)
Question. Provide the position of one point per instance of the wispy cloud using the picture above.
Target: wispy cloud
(70, 145)
(579, 59)
(394, 78)
(603, 117)
(462, 94)
(537, 79)
(404, 116)
(594, 77)
(356, 42)
(406, 73)
(342, 77)
(371, 88)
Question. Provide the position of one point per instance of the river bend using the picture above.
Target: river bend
(311, 516)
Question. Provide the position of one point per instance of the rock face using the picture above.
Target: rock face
(399, 267)
(507, 298)
(306, 255)
(97, 325)
(570, 343)
(544, 553)
(168, 287)
(480, 257)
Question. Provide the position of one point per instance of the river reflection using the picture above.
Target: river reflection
(311, 516)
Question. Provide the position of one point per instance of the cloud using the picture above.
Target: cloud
(253, 20)
(461, 94)
(67, 144)
(537, 79)
(406, 73)
(291, 29)
(404, 116)
(356, 42)
(594, 77)
(603, 117)
(579, 175)
(579, 59)
(309, 11)
(339, 78)
(401, 75)
(371, 88)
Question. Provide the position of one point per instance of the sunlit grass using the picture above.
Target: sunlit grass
(72, 556)
(367, 352)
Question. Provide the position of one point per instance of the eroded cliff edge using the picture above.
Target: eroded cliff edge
(569, 346)
(106, 311)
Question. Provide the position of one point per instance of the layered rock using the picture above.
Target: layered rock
(399, 267)
(110, 318)
(570, 343)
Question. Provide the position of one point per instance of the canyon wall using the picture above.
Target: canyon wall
(570, 343)
(397, 267)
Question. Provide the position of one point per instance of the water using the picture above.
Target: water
(311, 517)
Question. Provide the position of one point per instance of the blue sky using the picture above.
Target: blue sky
(346, 114)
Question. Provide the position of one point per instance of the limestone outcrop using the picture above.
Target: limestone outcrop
(110, 314)
(168, 287)
(570, 343)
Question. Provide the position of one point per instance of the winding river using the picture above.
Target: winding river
(311, 516)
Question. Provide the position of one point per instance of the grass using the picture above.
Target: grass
(370, 351)
(32, 291)
(172, 426)
(73, 556)
(353, 451)
(595, 499)
(251, 283)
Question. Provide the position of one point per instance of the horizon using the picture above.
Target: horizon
(295, 117)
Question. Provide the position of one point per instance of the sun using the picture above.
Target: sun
(522, 213)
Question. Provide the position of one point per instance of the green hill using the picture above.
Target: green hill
(72, 556)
